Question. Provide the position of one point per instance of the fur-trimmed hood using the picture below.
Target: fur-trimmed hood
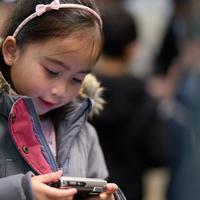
(90, 88)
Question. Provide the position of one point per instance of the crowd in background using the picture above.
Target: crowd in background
(151, 78)
(167, 61)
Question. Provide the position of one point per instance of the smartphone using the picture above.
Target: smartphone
(85, 186)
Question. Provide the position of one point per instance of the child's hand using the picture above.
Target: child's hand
(111, 188)
(42, 191)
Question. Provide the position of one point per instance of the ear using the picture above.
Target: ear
(9, 50)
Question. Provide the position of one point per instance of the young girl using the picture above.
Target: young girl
(49, 48)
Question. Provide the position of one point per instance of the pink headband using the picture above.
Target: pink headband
(54, 5)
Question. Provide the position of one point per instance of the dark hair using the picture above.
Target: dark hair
(59, 23)
(119, 29)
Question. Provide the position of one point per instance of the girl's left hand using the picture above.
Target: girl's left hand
(111, 188)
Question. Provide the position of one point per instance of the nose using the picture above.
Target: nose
(59, 90)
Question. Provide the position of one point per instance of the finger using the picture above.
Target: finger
(93, 197)
(105, 196)
(55, 193)
(48, 178)
(111, 188)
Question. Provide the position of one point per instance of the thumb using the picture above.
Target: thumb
(48, 178)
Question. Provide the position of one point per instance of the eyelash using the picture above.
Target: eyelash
(55, 74)
(77, 80)
(51, 73)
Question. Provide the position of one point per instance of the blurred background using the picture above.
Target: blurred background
(6, 7)
(150, 69)
(165, 60)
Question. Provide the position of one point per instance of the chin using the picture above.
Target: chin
(40, 112)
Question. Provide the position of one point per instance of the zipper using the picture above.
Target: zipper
(38, 130)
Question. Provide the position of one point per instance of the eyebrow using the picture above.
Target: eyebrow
(60, 63)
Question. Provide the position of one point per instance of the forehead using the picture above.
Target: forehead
(84, 44)
(90, 45)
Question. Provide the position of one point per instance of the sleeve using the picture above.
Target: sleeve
(96, 162)
(16, 187)
(119, 195)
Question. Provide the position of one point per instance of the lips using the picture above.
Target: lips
(46, 103)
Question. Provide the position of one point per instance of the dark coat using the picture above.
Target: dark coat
(132, 134)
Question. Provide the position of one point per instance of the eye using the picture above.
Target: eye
(52, 73)
(77, 80)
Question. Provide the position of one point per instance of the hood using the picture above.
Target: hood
(5, 86)
(91, 88)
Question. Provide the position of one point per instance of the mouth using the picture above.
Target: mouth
(46, 103)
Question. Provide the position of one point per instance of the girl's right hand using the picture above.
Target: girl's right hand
(42, 191)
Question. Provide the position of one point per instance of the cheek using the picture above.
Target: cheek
(28, 81)
(75, 91)
(27, 87)
(71, 94)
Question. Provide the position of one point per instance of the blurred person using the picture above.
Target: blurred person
(179, 98)
(130, 115)
(153, 19)
(175, 35)
(186, 98)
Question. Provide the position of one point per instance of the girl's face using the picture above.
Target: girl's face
(52, 72)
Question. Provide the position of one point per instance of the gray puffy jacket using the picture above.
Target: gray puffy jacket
(24, 150)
